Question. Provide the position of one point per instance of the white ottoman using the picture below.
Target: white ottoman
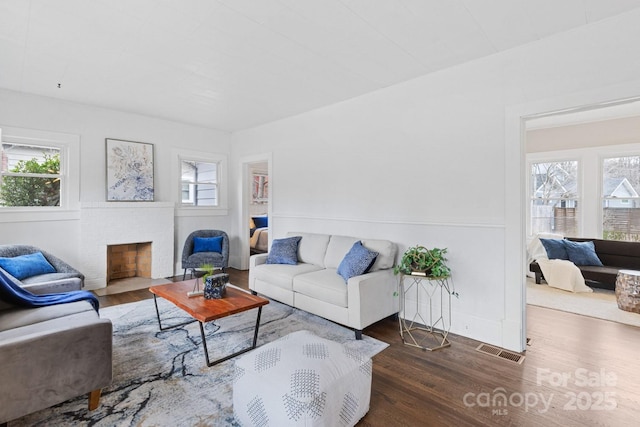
(302, 380)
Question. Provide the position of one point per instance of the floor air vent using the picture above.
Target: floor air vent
(501, 353)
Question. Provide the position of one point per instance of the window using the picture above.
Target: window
(620, 200)
(30, 175)
(39, 175)
(554, 197)
(199, 183)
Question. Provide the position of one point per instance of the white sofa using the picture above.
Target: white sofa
(315, 286)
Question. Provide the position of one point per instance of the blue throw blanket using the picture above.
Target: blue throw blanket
(11, 293)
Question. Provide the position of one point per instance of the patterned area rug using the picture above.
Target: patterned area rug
(161, 378)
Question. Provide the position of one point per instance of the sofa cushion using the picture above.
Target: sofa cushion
(324, 285)
(19, 317)
(337, 249)
(555, 248)
(281, 275)
(284, 251)
(357, 261)
(312, 248)
(386, 253)
(23, 266)
(49, 277)
(582, 253)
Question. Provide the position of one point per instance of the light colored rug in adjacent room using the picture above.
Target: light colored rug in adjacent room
(600, 303)
(161, 379)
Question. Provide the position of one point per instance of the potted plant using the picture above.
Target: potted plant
(214, 283)
(425, 262)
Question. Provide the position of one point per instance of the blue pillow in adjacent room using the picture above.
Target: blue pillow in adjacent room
(207, 244)
(555, 248)
(24, 266)
(284, 251)
(260, 221)
(582, 253)
(357, 261)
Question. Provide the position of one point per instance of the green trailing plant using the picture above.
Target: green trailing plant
(430, 262)
(209, 270)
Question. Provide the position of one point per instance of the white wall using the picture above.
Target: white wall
(438, 161)
(93, 125)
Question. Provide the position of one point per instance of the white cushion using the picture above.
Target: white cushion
(386, 253)
(312, 247)
(301, 380)
(280, 275)
(324, 285)
(337, 249)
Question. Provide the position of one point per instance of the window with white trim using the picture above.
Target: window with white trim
(620, 199)
(36, 172)
(553, 196)
(199, 182)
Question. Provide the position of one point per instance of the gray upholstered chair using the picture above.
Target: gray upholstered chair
(191, 259)
(62, 277)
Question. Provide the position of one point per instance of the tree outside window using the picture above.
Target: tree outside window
(620, 200)
(30, 176)
(554, 197)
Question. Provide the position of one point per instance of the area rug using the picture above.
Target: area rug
(161, 378)
(600, 303)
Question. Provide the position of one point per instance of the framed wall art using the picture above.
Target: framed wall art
(129, 171)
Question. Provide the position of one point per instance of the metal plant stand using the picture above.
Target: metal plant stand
(418, 332)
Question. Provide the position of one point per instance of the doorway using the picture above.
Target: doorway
(587, 135)
(255, 220)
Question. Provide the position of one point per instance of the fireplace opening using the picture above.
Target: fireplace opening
(128, 260)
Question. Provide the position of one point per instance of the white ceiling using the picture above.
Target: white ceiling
(235, 64)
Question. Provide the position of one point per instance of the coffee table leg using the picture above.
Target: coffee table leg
(155, 301)
(215, 362)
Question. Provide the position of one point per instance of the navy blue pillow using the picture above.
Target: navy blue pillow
(582, 253)
(357, 261)
(284, 251)
(555, 248)
(207, 244)
(24, 266)
(260, 221)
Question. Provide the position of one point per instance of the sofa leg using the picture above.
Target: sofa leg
(358, 334)
(94, 399)
(538, 278)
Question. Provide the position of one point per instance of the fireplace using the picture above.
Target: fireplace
(106, 224)
(128, 260)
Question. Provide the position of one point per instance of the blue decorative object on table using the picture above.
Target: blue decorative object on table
(215, 286)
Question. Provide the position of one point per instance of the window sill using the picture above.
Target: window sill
(29, 215)
(201, 211)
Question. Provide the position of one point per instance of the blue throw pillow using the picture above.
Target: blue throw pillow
(582, 253)
(284, 251)
(555, 248)
(357, 261)
(24, 266)
(207, 244)
(260, 221)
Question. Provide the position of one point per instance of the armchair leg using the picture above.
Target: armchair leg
(358, 334)
(184, 275)
(94, 399)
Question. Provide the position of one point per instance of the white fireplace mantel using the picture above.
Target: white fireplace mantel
(113, 223)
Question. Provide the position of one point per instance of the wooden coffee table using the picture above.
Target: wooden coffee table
(204, 310)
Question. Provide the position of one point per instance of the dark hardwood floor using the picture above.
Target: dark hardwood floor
(578, 371)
